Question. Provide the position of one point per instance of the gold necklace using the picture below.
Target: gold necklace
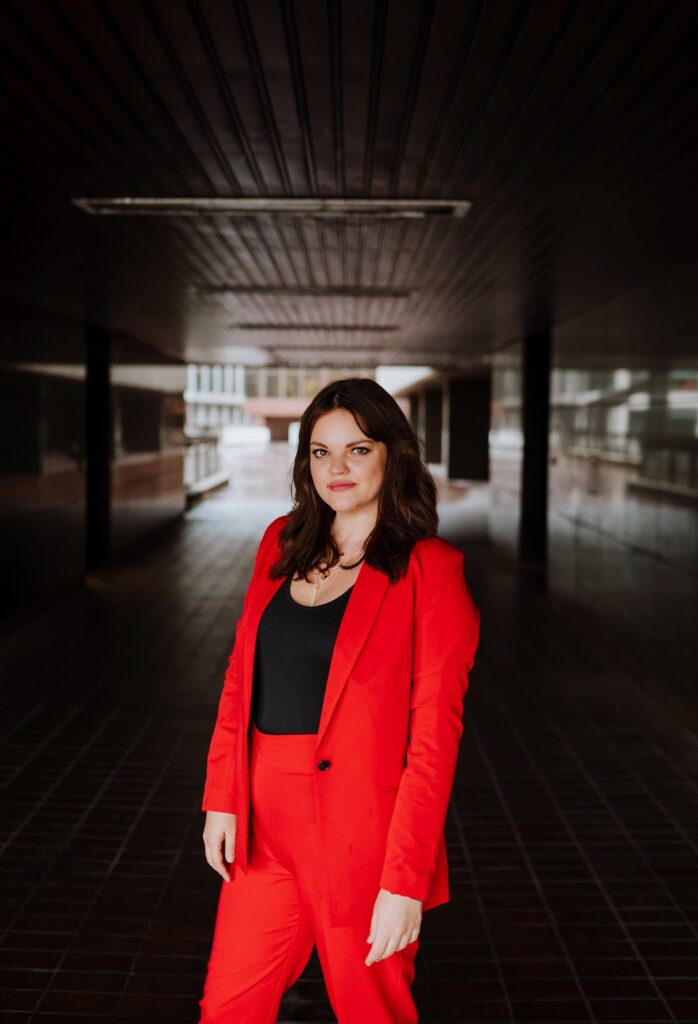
(324, 573)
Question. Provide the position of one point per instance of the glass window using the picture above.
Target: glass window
(311, 385)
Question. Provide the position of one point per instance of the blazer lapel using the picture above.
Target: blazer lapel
(261, 595)
(359, 615)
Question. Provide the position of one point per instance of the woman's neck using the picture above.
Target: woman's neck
(350, 530)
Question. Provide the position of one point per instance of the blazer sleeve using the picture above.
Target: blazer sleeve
(446, 635)
(219, 786)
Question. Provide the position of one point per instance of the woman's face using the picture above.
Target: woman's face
(341, 454)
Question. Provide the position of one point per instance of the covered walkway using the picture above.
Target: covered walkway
(572, 831)
(210, 209)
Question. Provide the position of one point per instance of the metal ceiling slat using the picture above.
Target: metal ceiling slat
(120, 101)
(531, 33)
(234, 118)
(258, 77)
(37, 89)
(586, 276)
(421, 45)
(454, 175)
(205, 127)
(642, 96)
(165, 118)
(539, 173)
(266, 102)
(357, 27)
(299, 229)
(250, 259)
(374, 95)
(265, 36)
(531, 53)
(64, 86)
(79, 160)
(634, 205)
(579, 138)
(601, 188)
(451, 87)
(83, 97)
(337, 93)
(480, 36)
(299, 92)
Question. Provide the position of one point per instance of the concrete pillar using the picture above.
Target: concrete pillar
(98, 426)
(534, 476)
(433, 423)
(414, 411)
(468, 428)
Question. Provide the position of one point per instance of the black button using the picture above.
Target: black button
(324, 765)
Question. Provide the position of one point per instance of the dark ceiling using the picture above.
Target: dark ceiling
(571, 126)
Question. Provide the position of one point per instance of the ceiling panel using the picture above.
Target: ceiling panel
(570, 126)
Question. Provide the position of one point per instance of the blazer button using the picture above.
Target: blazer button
(324, 765)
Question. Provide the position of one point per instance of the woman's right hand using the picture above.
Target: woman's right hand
(219, 832)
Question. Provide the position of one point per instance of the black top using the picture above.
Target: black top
(292, 659)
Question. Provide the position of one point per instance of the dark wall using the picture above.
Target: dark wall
(623, 475)
(47, 436)
(147, 455)
(42, 458)
(623, 516)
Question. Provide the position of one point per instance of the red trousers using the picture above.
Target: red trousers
(269, 919)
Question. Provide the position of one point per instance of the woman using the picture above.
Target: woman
(332, 758)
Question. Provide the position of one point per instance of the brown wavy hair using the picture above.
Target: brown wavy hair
(406, 502)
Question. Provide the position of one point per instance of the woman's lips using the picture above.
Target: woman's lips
(340, 487)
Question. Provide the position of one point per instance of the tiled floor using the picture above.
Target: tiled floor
(573, 831)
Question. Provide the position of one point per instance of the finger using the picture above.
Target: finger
(376, 950)
(372, 955)
(207, 850)
(396, 943)
(230, 848)
(218, 862)
(372, 930)
(390, 947)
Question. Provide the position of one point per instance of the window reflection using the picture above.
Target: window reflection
(640, 418)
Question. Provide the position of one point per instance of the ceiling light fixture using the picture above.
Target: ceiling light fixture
(239, 206)
(314, 291)
(304, 328)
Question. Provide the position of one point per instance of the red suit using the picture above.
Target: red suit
(390, 727)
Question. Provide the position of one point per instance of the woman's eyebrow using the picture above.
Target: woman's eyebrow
(350, 445)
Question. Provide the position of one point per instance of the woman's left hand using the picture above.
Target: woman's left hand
(395, 923)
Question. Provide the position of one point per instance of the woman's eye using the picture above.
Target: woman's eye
(357, 448)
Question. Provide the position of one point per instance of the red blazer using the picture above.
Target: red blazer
(390, 725)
